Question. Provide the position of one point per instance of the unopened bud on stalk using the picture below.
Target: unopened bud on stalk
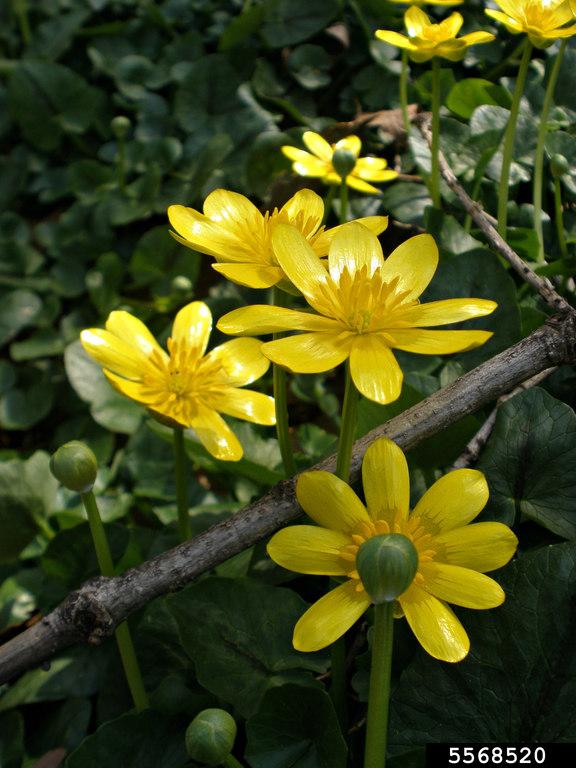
(120, 126)
(75, 466)
(559, 166)
(387, 565)
(210, 736)
(343, 162)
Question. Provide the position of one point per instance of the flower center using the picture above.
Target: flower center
(367, 303)
(413, 529)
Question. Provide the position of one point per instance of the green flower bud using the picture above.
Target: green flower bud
(559, 166)
(387, 565)
(182, 284)
(120, 126)
(75, 466)
(343, 162)
(210, 736)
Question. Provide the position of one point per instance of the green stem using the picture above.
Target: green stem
(20, 9)
(379, 696)
(539, 156)
(279, 382)
(494, 73)
(435, 175)
(343, 201)
(346, 441)
(559, 219)
(347, 427)
(184, 527)
(121, 164)
(404, 93)
(509, 137)
(328, 202)
(122, 632)
(231, 762)
(44, 526)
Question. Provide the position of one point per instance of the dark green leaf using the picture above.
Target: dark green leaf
(18, 309)
(468, 94)
(290, 21)
(529, 462)
(295, 727)
(243, 645)
(146, 740)
(11, 740)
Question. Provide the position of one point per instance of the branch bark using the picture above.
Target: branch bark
(92, 612)
(541, 284)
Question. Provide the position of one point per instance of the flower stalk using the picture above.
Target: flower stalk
(435, 172)
(379, 696)
(509, 137)
(184, 527)
(404, 93)
(539, 156)
(280, 387)
(343, 201)
(122, 632)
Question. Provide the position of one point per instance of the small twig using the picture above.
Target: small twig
(471, 453)
(482, 221)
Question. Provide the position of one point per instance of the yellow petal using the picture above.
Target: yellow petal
(330, 502)
(245, 404)
(264, 318)
(436, 342)
(446, 311)
(385, 481)
(317, 145)
(309, 549)
(453, 501)
(435, 625)
(215, 435)
(132, 389)
(451, 26)
(376, 225)
(223, 206)
(299, 262)
(309, 352)
(113, 353)
(413, 263)
(330, 617)
(481, 546)
(250, 275)
(394, 38)
(195, 230)
(133, 331)
(476, 38)
(305, 210)
(351, 144)
(241, 359)
(362, 186)
(192, 327)
(512, 25)
(416, 21)
(368, 164)
(374, 369)
(461, 586)
(353, 248)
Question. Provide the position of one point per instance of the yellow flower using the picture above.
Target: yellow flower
(542, 20)
(344, 156)
(234, 231)
(366, 306)
(426, 40)
(185, 386)
(452, 555)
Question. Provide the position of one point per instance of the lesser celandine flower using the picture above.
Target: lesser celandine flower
(185, 385)
(365, 307)
(426, 40)
(335, 163)
(452, 556)
(234, 231)
(544, 21)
